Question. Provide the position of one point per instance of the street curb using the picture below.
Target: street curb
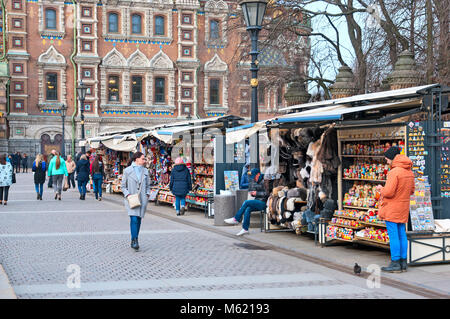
(6, 290)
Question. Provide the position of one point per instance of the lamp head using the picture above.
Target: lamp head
(253, 11)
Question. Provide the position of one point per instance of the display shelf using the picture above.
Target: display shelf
(345, 226)
(373, 224)
(360, 208)
(372, 240)
(384, 138)
(364, 180)
(192, 202)
(340, 239)
(363, 156)
(347, 217)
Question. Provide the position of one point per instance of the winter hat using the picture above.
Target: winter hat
(179, 160)
(255, 172)
(392, 152)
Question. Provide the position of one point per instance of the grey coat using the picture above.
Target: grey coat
(130, 185)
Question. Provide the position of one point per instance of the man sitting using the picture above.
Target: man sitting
(258, 191)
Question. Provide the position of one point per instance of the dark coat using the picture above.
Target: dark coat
(25, 161)
(180, 180)
(39, 172)
(82, 170)
(262, 193)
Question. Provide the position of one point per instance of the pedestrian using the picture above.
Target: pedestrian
(97, 171)
(50, 157)
(394, 208)
(6, 177)
(136, 180)
(71, 166)
(258, 191)
(25, 163)
(39, 167)
(16, 162)
(82, 170)
(180, 184)
(57, 170)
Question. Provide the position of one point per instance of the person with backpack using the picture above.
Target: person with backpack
(57, 170)
(97, 171)
(6, 179)
(180, 184)
(39, 168)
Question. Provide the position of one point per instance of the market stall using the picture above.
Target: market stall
(333, 151)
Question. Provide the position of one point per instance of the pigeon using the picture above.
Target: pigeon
(357, 269)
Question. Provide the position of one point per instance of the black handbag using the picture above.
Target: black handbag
(14, 178)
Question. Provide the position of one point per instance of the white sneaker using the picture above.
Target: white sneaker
(231, 221)
(242, 232)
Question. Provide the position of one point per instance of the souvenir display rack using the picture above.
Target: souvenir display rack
(362, 169)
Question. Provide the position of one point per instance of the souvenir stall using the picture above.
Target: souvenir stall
(331, 160)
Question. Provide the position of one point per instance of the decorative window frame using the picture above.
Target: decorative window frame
(60, 26)
(52, 61)
(216, 68)
(216, 10)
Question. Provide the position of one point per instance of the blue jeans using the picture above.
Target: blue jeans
(246, 209)
(179, 200)
(398, 240)
(39, 188)
(82, 187)
(98, 180)
(135, 226)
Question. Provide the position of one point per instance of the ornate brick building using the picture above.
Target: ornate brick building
(144, 62)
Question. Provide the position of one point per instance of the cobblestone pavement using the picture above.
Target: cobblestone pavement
(45, 244)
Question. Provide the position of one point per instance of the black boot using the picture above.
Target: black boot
(134, 244)
(403, 265)
(38, 197)
(394, 266)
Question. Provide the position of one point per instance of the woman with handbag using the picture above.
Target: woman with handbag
(6, 179)
(71, 166)
(39, 167)
(98, 174)
(82, 170)
(57, 170)
(136, 190)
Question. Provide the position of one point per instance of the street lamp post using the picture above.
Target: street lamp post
(81, 92)
(63, 110)
(253, 11)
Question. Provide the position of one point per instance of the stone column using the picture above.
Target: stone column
(296, 93)
(405, 72)
(344, 86)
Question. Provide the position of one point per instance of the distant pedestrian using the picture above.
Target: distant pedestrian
(180, 184)
(39, 168)
(6, 173)
(98, 173)
(136, 180)
(57, 170)
(16, 161)
(82, 170)
(25, 163)
(50, 156)
(394, 209)
(71, 166)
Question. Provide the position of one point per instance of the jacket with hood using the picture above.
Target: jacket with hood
(180, 180)
(395, 195)
(82, 170)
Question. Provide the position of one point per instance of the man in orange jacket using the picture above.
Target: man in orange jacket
(394, 209)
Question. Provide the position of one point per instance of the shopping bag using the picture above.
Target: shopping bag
(66, 184)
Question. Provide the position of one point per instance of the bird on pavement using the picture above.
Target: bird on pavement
(357, 269)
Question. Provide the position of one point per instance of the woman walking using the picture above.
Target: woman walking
(6, 172)
(136, 180)
(57, 170)
(180, 184)
(71, 166)
(39, 168)
(25, 163)
(97, 173)
(82, 170)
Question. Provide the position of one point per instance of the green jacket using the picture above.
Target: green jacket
(62, 168)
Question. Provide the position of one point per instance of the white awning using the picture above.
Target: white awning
(371, 97)
(168, 135)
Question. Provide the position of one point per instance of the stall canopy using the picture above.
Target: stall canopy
(317, 115)
(168, 135)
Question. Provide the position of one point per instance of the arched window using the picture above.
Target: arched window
(160, 90)
(50, 19)
(136, 24)
(113, 22)
(159, 25)
(52, 87)
(214, 29)
(113, 88)
(214, 91)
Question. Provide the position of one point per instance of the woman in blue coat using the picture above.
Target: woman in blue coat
(83, 170)
(180, 184)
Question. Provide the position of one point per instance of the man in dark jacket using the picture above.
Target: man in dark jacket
(180, 184)
(258, 191)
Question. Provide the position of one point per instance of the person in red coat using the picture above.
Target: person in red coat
(394, 208)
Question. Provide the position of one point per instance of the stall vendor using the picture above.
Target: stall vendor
(258, 191)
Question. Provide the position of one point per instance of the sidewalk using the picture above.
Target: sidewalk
(435, 278)
(6, 290)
